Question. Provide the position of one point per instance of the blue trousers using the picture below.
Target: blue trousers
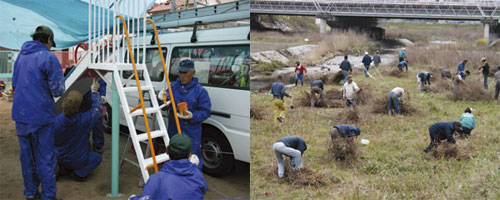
(98, 134)
(299, 77)
(485, 81)
(92, 162)
(345, 74)
(393, 102)
(38, 159)
(367, 67)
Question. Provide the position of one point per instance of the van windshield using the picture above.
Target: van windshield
(217, 66)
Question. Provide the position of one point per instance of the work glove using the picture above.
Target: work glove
(95, 85)
(132, 196)
(194, 159)
(103, 99)
(161, 94)
(188, 116)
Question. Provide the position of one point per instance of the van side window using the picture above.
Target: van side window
(217, 66)
(153, 64)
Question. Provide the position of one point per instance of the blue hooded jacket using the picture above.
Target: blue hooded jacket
(198, 103)
(37, 79)
(461, 66)
(71, 134)
(347, 130)
(177, 179)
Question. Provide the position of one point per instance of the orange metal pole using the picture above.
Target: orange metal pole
(140, 93)
(166, 76)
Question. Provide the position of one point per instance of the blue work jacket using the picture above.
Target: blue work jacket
(198, 103)
(177, 179)
(37, 79)
(71, 134)
(347, 130)
(443, 130)
(278, 90)
(294, 142)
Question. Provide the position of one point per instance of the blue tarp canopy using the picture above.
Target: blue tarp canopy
(68, 19)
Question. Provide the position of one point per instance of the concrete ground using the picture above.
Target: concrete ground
(98, 184)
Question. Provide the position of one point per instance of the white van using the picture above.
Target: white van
(220, 56)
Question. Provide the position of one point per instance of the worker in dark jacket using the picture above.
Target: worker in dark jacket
(367, 60)
(98, 129)
(344, 130)
(36, 80)
(442, 131)
(278, 91)
(72, 134)
(346, 68)
(485, 67)
(403, 64)
(316, 88)
(178, 178)
(424, 78)
(291, 146)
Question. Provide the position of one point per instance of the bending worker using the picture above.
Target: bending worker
(37, 79)
(402, 64)
(442, 131)
(187, 89)
(395, 96)
(424, 78)
(278, 91)
(72, 134)
(317, 87)
(344, 130)
(291, 146)
(178, 178)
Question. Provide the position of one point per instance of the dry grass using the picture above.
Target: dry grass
(473, 91)
(257, 112)
(439, 57)
(343, 149)
(448, 150)
(331, 99)
(341, 43)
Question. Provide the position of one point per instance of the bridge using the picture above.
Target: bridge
(486, 11)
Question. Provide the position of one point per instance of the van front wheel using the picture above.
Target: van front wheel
(218, 158)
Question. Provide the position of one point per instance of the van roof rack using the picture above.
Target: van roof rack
(238, 10)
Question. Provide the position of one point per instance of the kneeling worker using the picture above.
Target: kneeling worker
(291, 146)
(442, 131)
(179, 178)
(71, 135)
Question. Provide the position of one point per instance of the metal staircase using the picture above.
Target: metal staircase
(106, 56)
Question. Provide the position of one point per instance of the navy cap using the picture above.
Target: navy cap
(186, 65)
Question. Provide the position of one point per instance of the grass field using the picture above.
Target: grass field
(392, 165)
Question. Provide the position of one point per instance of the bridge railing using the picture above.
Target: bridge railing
(492, 3)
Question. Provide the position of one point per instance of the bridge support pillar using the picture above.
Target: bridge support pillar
(491, 30)
(322, 25)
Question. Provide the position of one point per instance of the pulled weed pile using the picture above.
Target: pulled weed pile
(343, 149)
(473, 91)
(257, 112)
(350, 116)
(448, 150)
(379, 105)
(302, 177)
(330, 100)
(397, 73)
